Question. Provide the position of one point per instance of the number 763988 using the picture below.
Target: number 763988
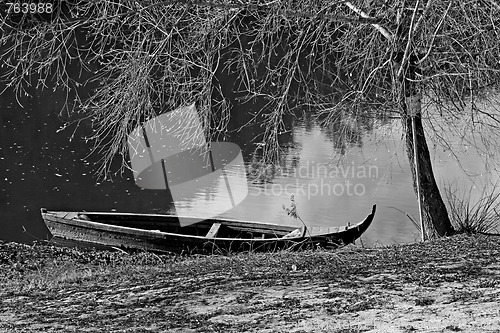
(29, 7)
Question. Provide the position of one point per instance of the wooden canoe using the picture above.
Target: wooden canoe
(163, 233)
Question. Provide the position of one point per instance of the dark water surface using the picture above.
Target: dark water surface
(43, 165)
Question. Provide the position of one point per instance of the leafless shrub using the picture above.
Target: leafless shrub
(469, 216)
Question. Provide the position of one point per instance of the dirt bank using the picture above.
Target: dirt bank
(450, 285)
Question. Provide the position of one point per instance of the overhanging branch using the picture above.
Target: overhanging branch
(387, 34)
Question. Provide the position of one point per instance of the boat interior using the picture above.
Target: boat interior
(210, 228)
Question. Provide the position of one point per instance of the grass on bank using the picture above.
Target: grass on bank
(42, 268)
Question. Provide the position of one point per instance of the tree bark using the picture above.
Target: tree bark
(434, 213)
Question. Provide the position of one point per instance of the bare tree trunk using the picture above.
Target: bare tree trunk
(434, 213)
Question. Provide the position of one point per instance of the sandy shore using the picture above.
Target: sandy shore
(450, 285)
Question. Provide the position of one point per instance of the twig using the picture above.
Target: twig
(408, 216)
(434, 35)
(118, 249)
(494, 4)
(361, 13)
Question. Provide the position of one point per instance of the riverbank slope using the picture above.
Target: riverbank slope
(448, 285)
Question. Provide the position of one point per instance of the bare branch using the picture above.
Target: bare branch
(381, 29)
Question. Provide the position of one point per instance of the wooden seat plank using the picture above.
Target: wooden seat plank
(213, 230)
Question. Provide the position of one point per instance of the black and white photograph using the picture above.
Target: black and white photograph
(250, 166)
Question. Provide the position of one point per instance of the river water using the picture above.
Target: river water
(44, 165)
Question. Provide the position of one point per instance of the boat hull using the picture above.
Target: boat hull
(163, 233)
